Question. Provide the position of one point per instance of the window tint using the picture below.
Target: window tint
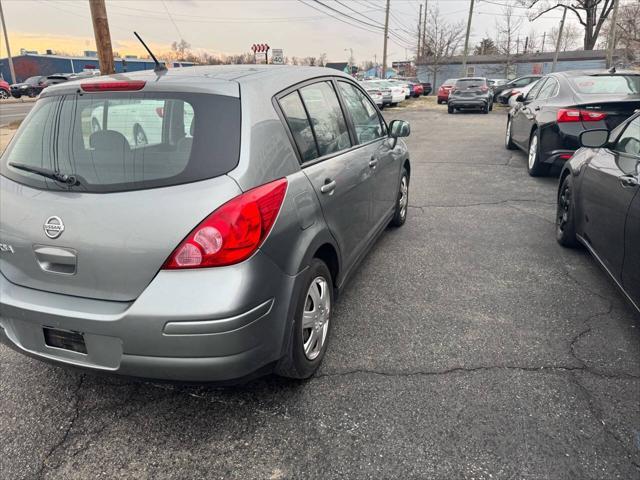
(617, 84)
(326, 117)
(299, 125)
(364, 115)
(470, 83)
(531, 94)
(124, 141)
(523, 82)
(629, 141)
(549, 89)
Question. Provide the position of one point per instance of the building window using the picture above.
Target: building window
(471, 71)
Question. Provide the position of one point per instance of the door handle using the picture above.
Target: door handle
(329, 186)
(373, 163)
(537, 108)
(629, 181)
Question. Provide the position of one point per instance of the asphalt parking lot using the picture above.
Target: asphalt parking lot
(468, 346)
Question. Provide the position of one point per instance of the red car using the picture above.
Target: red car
(417, 90)
(445, 88)
(5, 90)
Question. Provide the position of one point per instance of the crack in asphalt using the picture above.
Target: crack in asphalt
(76, 413)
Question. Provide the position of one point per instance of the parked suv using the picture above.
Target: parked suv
(213, 251)
(31, 87)
(471, 93)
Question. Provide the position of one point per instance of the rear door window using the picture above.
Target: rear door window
(629, 141)
(326, 118)
(364, 114)
(607, 84)
(126, 141)
(299, 125)
(549, 90)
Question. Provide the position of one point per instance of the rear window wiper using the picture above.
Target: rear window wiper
(45, 172)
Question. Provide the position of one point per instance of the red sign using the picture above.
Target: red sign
(259, 48)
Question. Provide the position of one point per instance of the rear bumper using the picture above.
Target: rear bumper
(468, 102)
(215, 324)
(557, 156)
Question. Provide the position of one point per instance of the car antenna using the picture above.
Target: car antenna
(160, 67)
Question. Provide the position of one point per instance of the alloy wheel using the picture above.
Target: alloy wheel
(564, 203)
(403, 201)
(508, 136)
(315, 317)
(533, 152)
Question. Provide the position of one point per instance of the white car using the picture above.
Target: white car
(397, 92)
(520, 91)
(375, 93)
(140, 121)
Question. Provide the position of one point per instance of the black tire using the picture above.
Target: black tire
(485, 109)
(32, 93)
(4, 94)
(16, 95)
(295, 363)
(534, 165)
(565, 215)
(394, 104)
(491, 106)
(402, 201)
(450, 109)
(508, 142)
(439, 102)
(139, 135)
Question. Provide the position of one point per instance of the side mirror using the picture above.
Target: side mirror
(520, 98)
(595, 138)
(399, 128)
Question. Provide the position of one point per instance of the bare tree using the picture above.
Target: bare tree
(442, 40)
(322, 60)
(627, 31)
(570, 37)
(181, 49)
(533, 42)
(507, 40)
(590, 13)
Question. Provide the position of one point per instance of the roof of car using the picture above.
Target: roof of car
(223, 79)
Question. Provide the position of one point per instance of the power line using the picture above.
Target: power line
(173, 21)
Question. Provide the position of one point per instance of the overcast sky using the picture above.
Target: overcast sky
(232, 26)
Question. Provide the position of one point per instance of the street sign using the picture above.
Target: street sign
(277, 57)
(261, 48)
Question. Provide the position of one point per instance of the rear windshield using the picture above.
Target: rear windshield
(126, 141)
(470, 82)
(603, 84)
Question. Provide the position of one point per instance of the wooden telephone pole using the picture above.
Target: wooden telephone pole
(466, 42)
(103, 37)
(559, 42)
(611, 41)
(419, 34)
(6, 39)
(386, 35)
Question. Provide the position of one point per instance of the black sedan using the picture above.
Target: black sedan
(502, 93)
(599, 202)
(31, 87)
(547, 122)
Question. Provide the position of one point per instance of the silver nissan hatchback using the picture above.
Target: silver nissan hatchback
(195, 225)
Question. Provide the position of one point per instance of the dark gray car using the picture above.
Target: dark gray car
(213, 249)
(471, 93)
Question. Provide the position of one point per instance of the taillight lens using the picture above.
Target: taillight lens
(113, 86)
(233, 232)
(514, 92)
(565, 115)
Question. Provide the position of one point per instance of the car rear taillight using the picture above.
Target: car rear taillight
(565, 115)
(233, 232)
(514, 92)
(113, 86)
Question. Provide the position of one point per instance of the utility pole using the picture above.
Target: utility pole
(466, 42)
(419, 34)
(103, 37)
(6, 41)
(611, 41)
(424, 30)
(555, 56)
(386, 35)
(544, 40)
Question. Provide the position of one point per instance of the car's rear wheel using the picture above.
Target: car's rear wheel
(535, 167)
(308, 342)
(4, 94)
(508, 142)
(565, 216)
(32, 93)
(450, 109)
(485, 109)
(439, 102)
(402, 201)
(139, 136)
